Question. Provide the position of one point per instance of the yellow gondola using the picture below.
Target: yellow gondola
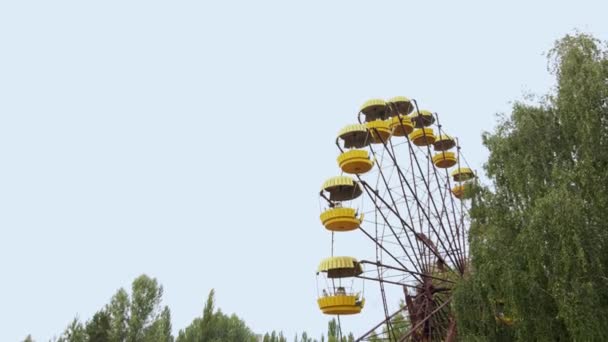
(403, 105)
(423, 118)
(374, 109)
(444, 142)
(422, 136)
(341, 219)
(379, 131)
(342, 188)
(355, 162)
(355, 136)
(341, 304)
(340, 267)
(458, 191)
(462, 174)
(444, 160)
(461, 191)
(401, 125)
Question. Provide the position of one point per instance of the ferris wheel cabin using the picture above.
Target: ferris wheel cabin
(336, 300)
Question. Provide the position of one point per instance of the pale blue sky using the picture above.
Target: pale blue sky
(188, 139)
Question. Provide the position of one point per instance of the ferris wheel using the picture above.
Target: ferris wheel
(404, 185)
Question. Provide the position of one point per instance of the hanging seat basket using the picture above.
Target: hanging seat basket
(462, 191)
(403, 104)
(424, 118)
(341, 219)
(422, 137)
(462, 174)
(444, 142)
(401, 125)
(374, 109)
(340, 267)
(355, 162)
(443, 160)
(342, 188)
(355, 136)
(341, 304)
(379, 131)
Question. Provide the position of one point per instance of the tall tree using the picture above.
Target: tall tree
(98, 328)
(334, 333)
(75, 332)
(160, 329)
(145, 301)
(214, 326)
(399, 327)
(539, 235)
(137, 317)
(119, 316)
(127, 319)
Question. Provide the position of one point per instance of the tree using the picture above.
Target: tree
(334, 332)
(214, 326)
(119, 316)
(305, 337)
(400, 325)
(160, 329)
(138, 317)
(73, 333)
(539, 235)
(98, 328)
(134, 319)
(145, 301)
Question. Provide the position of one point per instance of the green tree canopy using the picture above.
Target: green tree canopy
(539, 233)
(135, 319)
(139, 317)
(214, 326)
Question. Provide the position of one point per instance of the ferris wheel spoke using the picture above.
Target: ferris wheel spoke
(372, 330)
(425, 181)
(394, 208)
(462, 238)
(389, 327)
(409, 211)
(381, 246)
(454, 232)
(432, 201)
(417, 263)
(456, 222)
(404, 269)
(384, 280)
(404, 223)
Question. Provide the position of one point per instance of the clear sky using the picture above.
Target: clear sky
(188, 139)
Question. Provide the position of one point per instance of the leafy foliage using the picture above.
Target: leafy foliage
(400, 326)
(215, 326)
(335, 335)
(539, 237)
(125, 319)
(139, 318)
